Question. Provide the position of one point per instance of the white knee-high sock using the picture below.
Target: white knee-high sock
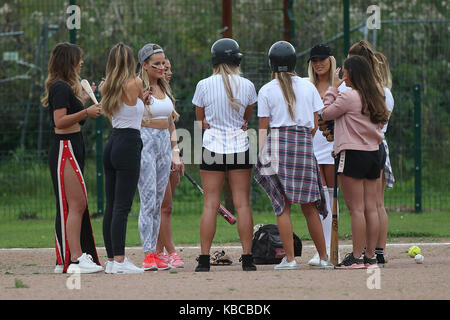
(330, 196)
(326, 223)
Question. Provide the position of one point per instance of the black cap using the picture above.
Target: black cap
(321, 51)
(282, 57)
(225, 50)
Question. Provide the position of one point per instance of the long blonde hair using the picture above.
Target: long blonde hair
(285, 81)
(225, 70)
(385, 72)
(163, 84)
(119, 69)
(62, 64)
(314, 78)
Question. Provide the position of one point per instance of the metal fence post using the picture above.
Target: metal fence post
(73, 31)
(417, 149)
(346, 26)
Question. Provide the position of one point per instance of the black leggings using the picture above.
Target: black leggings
(121, 160)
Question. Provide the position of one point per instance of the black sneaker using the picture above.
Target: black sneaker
(350, 262)
(247, 262)
(203, 263)
(370, 262)
(381, 261)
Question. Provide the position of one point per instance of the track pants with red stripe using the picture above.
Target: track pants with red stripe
(68, 150)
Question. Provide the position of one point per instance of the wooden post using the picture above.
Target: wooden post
(227, 19)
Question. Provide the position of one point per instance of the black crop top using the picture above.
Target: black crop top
(60, 95)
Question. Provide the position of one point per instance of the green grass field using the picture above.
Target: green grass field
(39, 233)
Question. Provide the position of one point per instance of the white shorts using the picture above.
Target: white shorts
(322, 148)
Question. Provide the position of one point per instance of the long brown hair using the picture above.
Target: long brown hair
(119, 69)
(163, 84)
(62, 64)
(363, 81)
(285, 81)
(364, 49)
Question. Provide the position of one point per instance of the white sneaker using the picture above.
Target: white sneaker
(315, 261)
(108, 266)
(285, 265)
(85, 265)
(324, 265)
(125, 267)
(58, 268)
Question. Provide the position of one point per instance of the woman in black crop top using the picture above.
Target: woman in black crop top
(75, 246)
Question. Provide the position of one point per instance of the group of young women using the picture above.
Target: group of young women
(141, 153)
(296, 163)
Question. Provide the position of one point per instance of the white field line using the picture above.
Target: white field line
(431, 244)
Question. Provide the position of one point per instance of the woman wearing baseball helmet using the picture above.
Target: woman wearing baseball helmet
(224, 103)
(287, 169)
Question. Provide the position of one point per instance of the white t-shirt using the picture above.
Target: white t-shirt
(271, 104)
(225, 135)
(388, 98)
(389, 104)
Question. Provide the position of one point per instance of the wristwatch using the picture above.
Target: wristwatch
(176, 149)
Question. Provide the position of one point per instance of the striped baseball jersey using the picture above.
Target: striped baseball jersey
(225, 135)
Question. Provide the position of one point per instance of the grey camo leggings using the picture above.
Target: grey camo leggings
(156, 159)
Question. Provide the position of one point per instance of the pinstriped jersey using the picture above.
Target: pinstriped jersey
(225, 134)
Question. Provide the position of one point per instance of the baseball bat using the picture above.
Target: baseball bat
(334, 245)
(222, 210)
(87, 87)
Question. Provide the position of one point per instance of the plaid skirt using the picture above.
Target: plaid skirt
(288, 169)
(388, 174)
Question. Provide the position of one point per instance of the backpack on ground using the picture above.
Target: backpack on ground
(267, 247)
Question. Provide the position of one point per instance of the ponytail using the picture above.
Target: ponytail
(285, 81)
(226, 70)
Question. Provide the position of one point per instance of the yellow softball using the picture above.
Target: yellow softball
(413, 251)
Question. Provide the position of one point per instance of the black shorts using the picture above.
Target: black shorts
(359, 164)
(212, 161)
(383, 156)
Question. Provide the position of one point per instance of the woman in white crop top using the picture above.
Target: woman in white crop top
(160, 152)
(122, 103)
(165, 238)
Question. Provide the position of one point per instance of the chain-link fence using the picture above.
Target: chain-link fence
(414, 37)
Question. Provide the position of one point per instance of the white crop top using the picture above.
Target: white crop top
(129, 116)
(160, 108)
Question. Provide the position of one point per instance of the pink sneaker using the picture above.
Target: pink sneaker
(175, 260)
(163, 257)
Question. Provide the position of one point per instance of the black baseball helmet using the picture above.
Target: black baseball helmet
(282, 57)
(225, 50)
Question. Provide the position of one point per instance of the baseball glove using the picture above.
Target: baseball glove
(327, 128)
(219, 258)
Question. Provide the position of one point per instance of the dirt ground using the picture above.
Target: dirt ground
(28, 274)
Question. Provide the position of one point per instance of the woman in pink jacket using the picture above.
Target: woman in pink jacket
(359, 116)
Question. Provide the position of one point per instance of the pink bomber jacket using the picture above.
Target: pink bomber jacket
(352, 130)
